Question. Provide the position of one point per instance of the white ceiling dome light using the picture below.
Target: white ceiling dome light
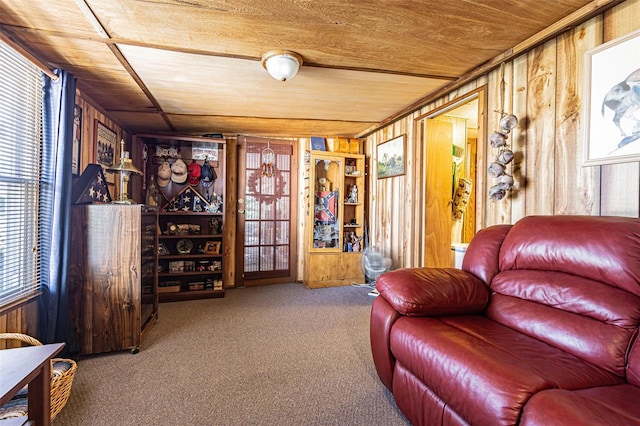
(282, 65)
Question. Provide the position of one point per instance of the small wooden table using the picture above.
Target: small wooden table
(29, 365)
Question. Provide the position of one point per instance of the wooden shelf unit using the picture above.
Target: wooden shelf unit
(335, 222)
(180, 219)
(201, 262)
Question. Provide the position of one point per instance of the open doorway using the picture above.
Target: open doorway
(449, 138)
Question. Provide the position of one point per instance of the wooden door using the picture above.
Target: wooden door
(266, 225)
(438, 191)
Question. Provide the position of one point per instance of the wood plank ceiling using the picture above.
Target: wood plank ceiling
(193, 67)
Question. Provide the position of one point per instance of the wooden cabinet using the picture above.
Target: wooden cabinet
(188, 176)
(335, 222)
(112, 271)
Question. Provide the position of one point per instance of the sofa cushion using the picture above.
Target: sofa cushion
(599, 248)
(433, 291)
(486, 371)
(572, 282)
(610, 405)
(601, 344)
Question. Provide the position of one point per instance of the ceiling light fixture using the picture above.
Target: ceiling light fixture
(282, 65)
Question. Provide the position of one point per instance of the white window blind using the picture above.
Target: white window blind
(20, 165)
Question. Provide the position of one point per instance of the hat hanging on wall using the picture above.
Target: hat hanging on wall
(164, 174)
(194, 170)
(179, 171)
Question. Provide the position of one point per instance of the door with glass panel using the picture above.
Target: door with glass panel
(266, 238)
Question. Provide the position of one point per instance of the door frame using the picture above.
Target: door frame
(240, 231)
(479, 94)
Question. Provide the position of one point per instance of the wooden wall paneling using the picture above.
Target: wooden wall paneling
(493, 209)
(22, 319)
(304, 203)
(90, 113)
(480, 182)
(575, 186)
(545, 94)
(418, 193)
(541, 130)
(404, 205)
(620, 195)
(390, 214)
(519, 138)
(230, 211)
(504, 207)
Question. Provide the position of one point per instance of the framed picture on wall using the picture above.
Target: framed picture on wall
(612, 102)
(105, 149)
(391, 156)
(77, 141)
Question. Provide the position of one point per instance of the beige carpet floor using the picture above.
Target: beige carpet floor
(272, 355)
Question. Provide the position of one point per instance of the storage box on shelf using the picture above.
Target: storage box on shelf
(186, 176)
(336, 220)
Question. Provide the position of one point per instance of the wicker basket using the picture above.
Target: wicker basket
(60, 384)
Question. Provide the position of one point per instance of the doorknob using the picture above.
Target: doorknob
(241, 211)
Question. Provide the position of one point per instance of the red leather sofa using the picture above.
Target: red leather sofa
(539, 327)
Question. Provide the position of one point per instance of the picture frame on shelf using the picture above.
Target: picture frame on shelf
(611, 125)
(212, 247)
(163, 250)
(391, 157)
(77, 141)
(318, 144)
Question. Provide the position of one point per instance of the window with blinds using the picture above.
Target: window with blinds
(20, 165)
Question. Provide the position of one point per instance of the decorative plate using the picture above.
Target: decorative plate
(184, 246)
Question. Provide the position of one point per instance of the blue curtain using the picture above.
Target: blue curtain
(58, 104)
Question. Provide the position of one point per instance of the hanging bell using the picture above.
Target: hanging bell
(505, 182)
(508, 122)
(495, 169)
(505, 156)
(498, 139)
(496, 193)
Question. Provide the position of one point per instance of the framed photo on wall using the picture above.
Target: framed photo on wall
(611, 109)
(105, 149)
(105, 145)
(391, 157)
(77, 141)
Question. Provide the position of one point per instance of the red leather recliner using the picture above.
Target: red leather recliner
(538, 328)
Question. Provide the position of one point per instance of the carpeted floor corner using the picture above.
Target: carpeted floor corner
(272, 355)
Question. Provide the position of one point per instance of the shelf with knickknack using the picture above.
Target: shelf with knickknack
(189, 256)
(186, 181)
(336, 221)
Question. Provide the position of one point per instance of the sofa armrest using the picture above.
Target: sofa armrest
(433, 291)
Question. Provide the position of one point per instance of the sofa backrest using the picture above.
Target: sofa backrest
(570, 281)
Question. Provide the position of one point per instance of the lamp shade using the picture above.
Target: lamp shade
(282, 65)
